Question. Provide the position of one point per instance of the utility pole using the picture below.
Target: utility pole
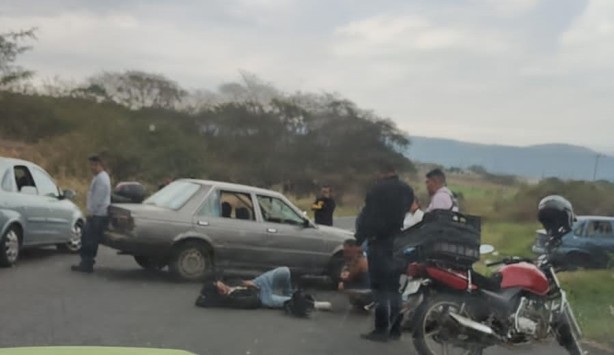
(597, 157)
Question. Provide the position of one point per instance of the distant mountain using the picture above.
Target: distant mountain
(546, 160)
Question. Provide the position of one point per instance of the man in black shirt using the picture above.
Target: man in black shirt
(324, 206)
(381, 219)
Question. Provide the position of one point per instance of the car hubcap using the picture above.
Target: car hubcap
(11, 246)
(74, 244)
(193, 262)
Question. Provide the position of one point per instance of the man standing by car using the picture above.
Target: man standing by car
(441, 197)
(98, 201)
(324, 207)
(381, 218)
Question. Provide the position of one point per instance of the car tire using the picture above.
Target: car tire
(149, 263)
(73, 245)
(9, 246)
(190, 260)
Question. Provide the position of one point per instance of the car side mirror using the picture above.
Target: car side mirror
(306, 223)
(69, 194)
(29, 190)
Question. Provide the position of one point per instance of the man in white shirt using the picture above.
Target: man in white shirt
(441, 197)
(98, 201)
(414, 216)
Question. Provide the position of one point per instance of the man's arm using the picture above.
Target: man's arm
(317, 205)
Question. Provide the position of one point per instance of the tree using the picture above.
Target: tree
(135, 89)
(10, 48)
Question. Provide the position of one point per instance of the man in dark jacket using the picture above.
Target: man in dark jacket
(324, 207)
(381, 219)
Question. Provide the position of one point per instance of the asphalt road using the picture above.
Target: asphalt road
(43, 303)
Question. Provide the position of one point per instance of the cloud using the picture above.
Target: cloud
(516, 72)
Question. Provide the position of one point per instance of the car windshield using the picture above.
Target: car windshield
(173, 196)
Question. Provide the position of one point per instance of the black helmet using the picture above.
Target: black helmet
(555, 213)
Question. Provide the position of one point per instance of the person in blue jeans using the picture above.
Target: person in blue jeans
(275, 287)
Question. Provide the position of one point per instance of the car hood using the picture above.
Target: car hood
(336, 233)
(89, 350)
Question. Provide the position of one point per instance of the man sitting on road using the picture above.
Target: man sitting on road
(441, 197)
(354, 279)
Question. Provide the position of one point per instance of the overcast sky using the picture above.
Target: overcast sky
(493, 71)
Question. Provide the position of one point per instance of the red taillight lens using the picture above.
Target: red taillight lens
(415, 270)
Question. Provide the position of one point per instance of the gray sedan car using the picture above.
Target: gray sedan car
(34, 211)
(192, 225)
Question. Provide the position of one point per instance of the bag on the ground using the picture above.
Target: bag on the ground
(240, 298)
(300, 305)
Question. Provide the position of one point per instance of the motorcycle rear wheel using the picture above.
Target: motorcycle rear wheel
(432, 325)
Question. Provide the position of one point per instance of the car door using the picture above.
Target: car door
(287, 240)
(58, 212)
(26, 200)
(601, 236)
(228, 218)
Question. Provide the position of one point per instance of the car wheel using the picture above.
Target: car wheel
(74, 243)
(190, 260)
(9, 246)
(149, 263)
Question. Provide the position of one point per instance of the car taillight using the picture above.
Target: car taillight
(415, 270)
(122, 221)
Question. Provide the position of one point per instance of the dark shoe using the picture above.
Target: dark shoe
(82, 268)
(375, 336)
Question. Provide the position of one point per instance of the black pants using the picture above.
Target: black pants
(92, 236)
(385, 285)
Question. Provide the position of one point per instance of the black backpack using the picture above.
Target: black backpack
(241, 298)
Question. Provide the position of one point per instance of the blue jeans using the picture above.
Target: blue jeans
(275, 280)
(92, 236)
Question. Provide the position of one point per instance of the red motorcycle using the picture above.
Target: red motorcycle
(460, 311)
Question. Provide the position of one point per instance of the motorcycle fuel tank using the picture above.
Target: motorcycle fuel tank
(526, 276)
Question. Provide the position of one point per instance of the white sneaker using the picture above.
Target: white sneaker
(323, 306)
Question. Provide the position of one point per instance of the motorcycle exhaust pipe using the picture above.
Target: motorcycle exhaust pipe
(471, 324)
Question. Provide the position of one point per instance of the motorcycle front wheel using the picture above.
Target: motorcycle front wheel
(436, 333)
(568, 334)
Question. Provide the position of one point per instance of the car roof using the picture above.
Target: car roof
(588, 218)
(5, 160)
(232, 186)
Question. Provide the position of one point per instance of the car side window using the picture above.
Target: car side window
(23, 177)
(275, 210)
(228, 204)
(599, 229)
(578, 229)
(7, 181)
(44, 183)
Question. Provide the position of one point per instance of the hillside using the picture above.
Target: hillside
(537, 161)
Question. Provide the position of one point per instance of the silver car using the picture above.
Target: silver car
(34, 211)
(193, 225)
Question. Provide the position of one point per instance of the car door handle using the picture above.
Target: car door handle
(271, 230)
(203, 223)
